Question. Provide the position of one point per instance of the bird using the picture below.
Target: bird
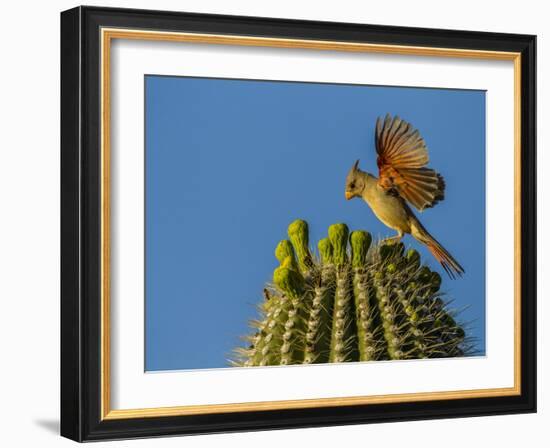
(404, 180)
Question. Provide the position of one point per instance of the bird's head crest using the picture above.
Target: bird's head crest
(354, 182)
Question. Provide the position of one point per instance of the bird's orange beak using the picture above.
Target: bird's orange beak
(349, 195)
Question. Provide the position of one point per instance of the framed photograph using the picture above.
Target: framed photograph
(276, 224)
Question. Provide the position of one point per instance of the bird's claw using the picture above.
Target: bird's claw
(391, 240)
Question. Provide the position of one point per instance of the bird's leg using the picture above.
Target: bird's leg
(394, 239)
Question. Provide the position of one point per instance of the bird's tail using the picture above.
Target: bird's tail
(451, 266)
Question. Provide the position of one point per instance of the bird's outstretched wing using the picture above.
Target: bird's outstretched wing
(402, 160)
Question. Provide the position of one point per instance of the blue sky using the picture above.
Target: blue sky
(230, 163)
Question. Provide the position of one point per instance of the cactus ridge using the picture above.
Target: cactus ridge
(353, 301)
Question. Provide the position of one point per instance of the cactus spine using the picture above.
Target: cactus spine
(356, 301)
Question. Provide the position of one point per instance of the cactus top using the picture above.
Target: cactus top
(360, 243)
(338, 235)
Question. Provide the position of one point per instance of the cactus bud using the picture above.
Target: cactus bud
(290, 281)
(325, 251)
(360, 243)
(413, 258)
(284, 250)
(299, 236)
(435, 281)
(338, 235)
(425, 274)
(385, 251)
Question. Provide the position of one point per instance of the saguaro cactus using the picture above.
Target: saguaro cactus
(355, 301)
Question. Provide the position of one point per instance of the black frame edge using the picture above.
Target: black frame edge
(529, 223)
(71, 382)
(80, 225)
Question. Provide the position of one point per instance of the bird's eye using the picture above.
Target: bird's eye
(352, 185)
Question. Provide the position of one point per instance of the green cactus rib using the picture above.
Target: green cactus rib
(356, 301)
(317, 337)
(264, 343)
(388, 314)
(343, 339)
(291, 282)
(360, 242)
